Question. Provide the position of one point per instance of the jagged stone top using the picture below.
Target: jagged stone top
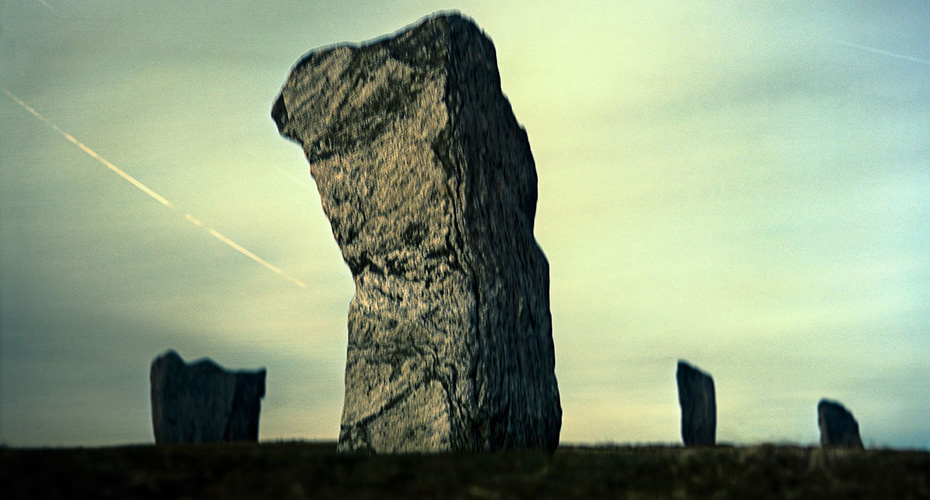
(414, 56)
(171, 356)
(689, 368)
(410, 44)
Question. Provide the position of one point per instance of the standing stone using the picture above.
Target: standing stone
(202, 402)
(837, 425)
(698, 406)
(430, 187)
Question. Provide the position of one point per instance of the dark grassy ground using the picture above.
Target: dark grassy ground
(314, 470)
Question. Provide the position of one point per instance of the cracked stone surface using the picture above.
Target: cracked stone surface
(430, 188)
(837, 425)
(698, 406)
(202, 402)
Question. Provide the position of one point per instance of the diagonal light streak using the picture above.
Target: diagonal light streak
(157, 197)
(93, 154)
(883, 52)
(216, 234)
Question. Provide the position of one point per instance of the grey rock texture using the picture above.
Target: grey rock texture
(837, 425)
(202, 402)
(698, 406)
(430, 187)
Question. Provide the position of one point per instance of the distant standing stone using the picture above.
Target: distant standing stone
(202, 402)
(430, 187)
(698, 406)
(837, 425)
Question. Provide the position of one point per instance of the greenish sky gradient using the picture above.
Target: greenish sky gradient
(743, 186)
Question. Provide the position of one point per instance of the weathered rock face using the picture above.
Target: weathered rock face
(430, 187)
(698, 406)
(837, 425)
(202, 402)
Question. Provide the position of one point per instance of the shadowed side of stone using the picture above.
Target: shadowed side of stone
(202, 402)
(430, 188)
(698, 406)
(837, 425)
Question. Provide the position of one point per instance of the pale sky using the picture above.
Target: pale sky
(746, 187)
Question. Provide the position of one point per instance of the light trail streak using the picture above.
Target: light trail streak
(193, 220)
(93, 154)
(883, 52)
(256, 258)
(157, 197)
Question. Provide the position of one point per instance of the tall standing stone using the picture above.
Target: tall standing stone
(837, 425)
(202, 402)
(698, 406)
(430, 187)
